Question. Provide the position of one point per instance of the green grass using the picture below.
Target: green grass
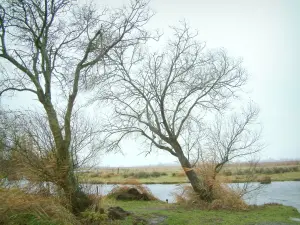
(178, 215)
(30, 219)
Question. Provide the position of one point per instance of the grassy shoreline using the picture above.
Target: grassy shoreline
(18, 207)
(90, 178)
(178, 214)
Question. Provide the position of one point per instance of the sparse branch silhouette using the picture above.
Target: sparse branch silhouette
(55, 47)
(164, 96)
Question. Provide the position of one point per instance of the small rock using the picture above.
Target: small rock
(117, 213)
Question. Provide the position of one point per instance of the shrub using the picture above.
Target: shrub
(142, 174)
(265, 180)
(131, 174)
(294, 168)
(268, 171)
(227, 172)
(259, 170)
(155, 174)
(239, 172)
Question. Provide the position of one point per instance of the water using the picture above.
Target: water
(286, 193)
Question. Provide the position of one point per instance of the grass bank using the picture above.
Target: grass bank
(177, 215)
(17, 207)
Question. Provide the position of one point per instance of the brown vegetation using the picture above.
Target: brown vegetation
(18, 207)
(222, 196)
(145, 193)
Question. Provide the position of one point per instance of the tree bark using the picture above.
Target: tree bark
(65, 177)
(78, 200)
(197, 183)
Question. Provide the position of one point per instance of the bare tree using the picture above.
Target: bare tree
(239, 137)
(166, 97)
(227, 140)
(55, 47)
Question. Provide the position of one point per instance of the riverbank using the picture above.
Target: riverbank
(18, 207)
(168, 178)
(162, 213)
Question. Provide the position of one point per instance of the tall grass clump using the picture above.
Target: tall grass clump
(18, 207)
(223, 197)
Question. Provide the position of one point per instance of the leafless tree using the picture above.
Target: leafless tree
(167, 96)
(55, 47)
(239, 137)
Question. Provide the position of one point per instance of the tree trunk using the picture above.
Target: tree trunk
(197, 183)
(65, 177)
(78, 200)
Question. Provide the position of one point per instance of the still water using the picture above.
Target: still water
(286, 193)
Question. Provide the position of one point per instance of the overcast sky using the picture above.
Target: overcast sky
(266, 34)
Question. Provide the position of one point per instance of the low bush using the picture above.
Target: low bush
(116, 191)
(144, 175)
(265, 180)
(262, 170)
(157, 174)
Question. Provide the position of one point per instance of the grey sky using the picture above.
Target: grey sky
(266, 35)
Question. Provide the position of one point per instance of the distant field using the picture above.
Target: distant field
(279, 171)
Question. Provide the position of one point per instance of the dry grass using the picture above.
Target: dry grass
(16, 206)
(223, 197)
(233, 172)
(131, 184)
(265, 180)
